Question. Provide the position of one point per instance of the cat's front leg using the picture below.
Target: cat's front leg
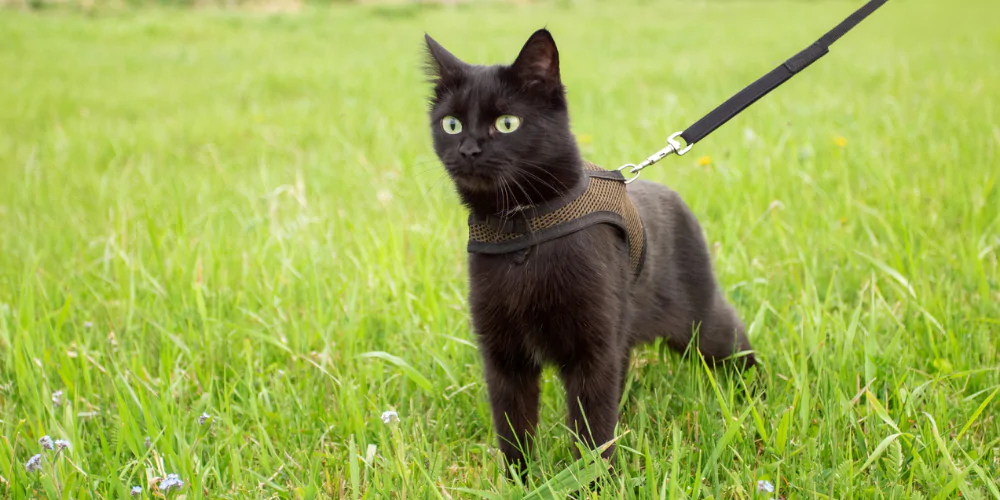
(593, 391)
(512, 383)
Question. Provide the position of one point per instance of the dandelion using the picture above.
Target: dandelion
(705, 161)
(34, 463)
(765, 486)
(47, 443)
(62, 443)
(389, 417)
(136, 491)
(57, 398)
(173, 481)
(840, 141)
(203, 418)
(384, 196)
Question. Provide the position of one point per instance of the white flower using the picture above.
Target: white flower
(203, 418)
(34, 463)
(57, 398)
(384, 196)
(62, 443)
(87, 324)
(389, 417)
(173, 481)
(136, 491)
(765, 486)
(148, 443)
(46, 443)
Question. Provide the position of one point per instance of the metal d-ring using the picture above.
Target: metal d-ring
(632, 170)
(673, 146)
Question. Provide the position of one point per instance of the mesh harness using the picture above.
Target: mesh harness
(600, 199)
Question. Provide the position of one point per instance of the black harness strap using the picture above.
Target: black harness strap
(776, 77)
(600, 198)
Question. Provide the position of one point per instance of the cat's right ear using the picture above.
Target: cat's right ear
(442, 66)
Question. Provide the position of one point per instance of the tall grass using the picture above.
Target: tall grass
(240, 215)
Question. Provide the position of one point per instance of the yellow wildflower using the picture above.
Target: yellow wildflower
(840, 141)
(585, 138)
(705, 160)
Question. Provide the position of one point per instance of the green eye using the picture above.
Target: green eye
(451, 125)
(508, 123)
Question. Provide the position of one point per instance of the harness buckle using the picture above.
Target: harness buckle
(673, 146)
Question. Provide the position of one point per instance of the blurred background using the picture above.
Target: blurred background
(233, 210)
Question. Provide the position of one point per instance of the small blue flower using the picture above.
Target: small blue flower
(389, 417)
(765, 486)
(34, 463)
(173, 481)
(62, 443)
(46, 443)
(57, 398)
(136, 491)
(203, 418)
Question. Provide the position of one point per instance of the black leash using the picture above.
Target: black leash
(749, 95)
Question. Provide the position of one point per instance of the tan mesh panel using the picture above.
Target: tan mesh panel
(489, 234)
(602, 195)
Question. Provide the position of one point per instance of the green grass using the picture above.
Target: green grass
(221, 212)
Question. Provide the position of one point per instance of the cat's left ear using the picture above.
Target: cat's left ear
(538, 62)
(442, 66)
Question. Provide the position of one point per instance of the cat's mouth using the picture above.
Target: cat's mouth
(475, 178)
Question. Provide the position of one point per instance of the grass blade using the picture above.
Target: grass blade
(400, 363)
(728, 436)
(976, 414)
(878, 451)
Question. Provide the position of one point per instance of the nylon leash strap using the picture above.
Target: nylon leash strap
(753, 92)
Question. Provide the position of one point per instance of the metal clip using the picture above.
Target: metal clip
(673, 146)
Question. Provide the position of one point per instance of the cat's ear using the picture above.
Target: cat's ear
(442, 66)
(538, 62)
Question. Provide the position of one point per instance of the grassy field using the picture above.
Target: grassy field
(240, 215)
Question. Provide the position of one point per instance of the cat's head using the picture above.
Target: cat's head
(502, 131)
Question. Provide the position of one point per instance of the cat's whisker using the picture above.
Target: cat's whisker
(539, 179)
(424, 172)
(539, 168)
(502, 205)
(434, 184)
(518, 184)
(532, 185)
(512, 201)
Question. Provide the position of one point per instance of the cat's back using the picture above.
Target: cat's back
(673, 234)
(659, 208)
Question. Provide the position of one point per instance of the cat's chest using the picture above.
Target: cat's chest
(545, 277)
(544, 298)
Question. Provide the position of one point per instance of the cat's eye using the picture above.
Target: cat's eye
(451, 125)
(507, 123)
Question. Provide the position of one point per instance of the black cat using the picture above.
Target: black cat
(503, 134)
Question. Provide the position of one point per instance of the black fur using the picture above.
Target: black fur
(572, 301)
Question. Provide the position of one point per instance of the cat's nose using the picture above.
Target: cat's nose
(470, 150)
